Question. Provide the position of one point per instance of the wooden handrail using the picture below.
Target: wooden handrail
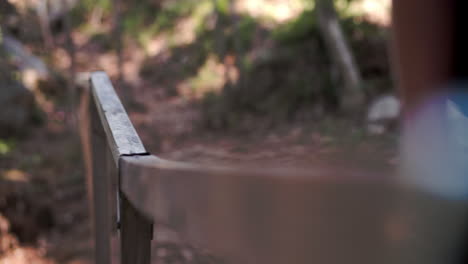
(121, 136)
(251, 215)
(243, 214)
(113, 137)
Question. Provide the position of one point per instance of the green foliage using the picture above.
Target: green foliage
(206, 77)
(222, 7)
(106, 5)
(85, 8)
(245, 31)
(103, 39)
(142, 20)
(357, 27)
(138, 20)
(146, 19)
(291, 73)
(6, 146)
(170, 12)
(301, 28)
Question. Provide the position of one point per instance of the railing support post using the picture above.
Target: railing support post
(101, 188)
(136, 233)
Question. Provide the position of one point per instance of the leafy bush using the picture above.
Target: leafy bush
(299, 29)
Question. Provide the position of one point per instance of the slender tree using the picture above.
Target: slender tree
(71, 50)
(44, 20)
(352, 95)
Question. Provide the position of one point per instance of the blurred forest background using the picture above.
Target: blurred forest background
(293, 82)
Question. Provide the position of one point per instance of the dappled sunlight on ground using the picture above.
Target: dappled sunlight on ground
(293, 147)
(185, 31)
(25, 255)
(15, 175)
(278, 10)
(156, 45)
(377, 11)
(211, 77)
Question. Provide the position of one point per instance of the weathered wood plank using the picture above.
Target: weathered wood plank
(113, 136)
(86, 145)
(101, 181)
(253, 216)
(322, 216)
(136, 234)
(120, 133)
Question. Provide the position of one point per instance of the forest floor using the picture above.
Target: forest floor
(43, 180)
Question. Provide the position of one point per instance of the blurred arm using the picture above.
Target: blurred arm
(423, 37)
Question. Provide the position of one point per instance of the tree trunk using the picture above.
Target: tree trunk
(44, 21)
(117, 37)
(32, 68)
(352, 96)
(71, 50)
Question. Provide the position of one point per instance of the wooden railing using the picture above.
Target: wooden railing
(247, 215)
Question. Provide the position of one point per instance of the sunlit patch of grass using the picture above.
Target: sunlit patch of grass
(376, 11)
(6, 146)
(84, 11)
(222, 6)
(15, 175)
(210, 78)
(200, 14)
(303, 26)
(245, 31)
(145, 21)
(275, 11)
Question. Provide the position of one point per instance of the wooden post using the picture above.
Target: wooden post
(136, 234)
(101, 180)
(113, 136)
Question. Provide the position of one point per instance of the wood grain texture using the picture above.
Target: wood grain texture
(101, 183)
(290, 216)
(263, 216)
(136, 234)
(86, 146)
(120, 134)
